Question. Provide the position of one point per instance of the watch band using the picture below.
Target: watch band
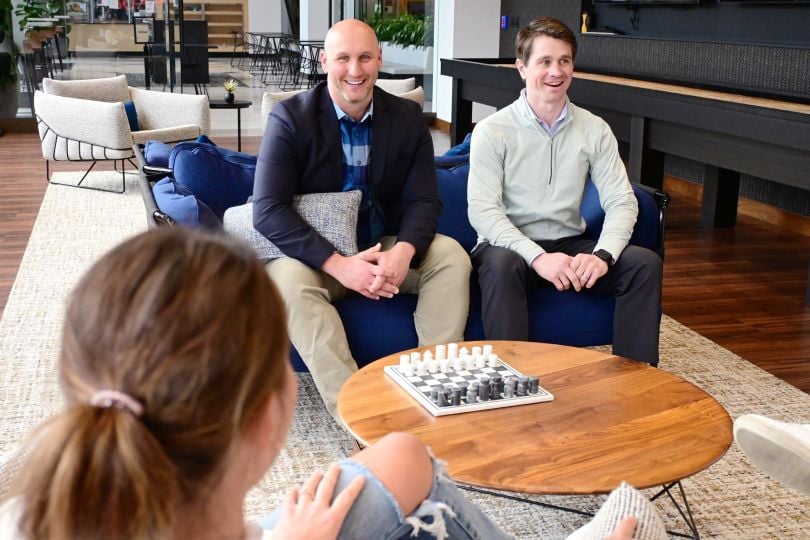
(605, 256)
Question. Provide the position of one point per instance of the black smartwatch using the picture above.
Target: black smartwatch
(605, 256)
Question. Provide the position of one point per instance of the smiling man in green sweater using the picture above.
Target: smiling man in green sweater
(529, 164)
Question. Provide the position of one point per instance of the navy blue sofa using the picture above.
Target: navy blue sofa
(379, 328)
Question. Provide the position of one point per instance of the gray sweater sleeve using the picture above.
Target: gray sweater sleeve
(485, 195)
(615, 194)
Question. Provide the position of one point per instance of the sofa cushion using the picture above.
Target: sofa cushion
(391, 320)
(332, 215)
(180, 204)
(462, 148)
(645, 232)
(453, 220)
(156, 153)
(132, 115)
(219, 177)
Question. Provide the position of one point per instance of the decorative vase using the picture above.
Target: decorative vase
(228, 97)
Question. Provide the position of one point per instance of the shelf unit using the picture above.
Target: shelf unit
(223, 16)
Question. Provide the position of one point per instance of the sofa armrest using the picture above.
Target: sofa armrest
(662, 201)
(148, 175)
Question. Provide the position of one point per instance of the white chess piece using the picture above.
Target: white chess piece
(452, 351)
(440, 352)
(444, 365)
(476, 351)
(493, 360)
(468, 361)
(487, 350)
(421, 368)
(404, 360)
(458, 365)
(415, 357)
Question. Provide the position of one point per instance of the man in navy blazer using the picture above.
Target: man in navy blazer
(342, 135)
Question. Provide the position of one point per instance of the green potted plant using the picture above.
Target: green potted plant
(230, 85)
(30, 9)
(9, 84)
(405, 39)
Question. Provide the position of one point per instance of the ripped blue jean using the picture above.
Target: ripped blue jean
(444, 514)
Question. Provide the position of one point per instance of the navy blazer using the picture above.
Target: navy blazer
(301, 152)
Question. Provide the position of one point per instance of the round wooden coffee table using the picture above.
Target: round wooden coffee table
(612, 419)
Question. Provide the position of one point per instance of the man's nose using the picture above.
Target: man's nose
(355, 67)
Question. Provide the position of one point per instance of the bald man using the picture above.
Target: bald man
(347, 134)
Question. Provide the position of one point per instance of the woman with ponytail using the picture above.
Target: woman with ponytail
(178, 396)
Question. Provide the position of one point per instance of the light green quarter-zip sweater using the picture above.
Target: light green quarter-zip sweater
(525, 185)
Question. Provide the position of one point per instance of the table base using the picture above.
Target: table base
(685, 512)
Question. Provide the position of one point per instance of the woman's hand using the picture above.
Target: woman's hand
(309, 512)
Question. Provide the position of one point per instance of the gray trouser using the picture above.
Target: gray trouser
(316, 331)
(634, 281)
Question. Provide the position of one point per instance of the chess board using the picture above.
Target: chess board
(420, 386)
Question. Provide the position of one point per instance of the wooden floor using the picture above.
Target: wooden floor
(742, 287)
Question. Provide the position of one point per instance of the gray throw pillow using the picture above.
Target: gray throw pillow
(332, 215)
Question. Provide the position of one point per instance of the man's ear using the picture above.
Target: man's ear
(521, 67)
(323, 60)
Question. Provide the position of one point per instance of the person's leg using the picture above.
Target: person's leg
(442, 281)
(314, 325)
(407, 494)
(504, 279)
(635, 282)
(780, 449)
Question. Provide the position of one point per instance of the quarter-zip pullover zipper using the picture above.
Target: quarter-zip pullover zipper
(551, 162)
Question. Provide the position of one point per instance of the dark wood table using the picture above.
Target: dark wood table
(237, 104)
(612, 419)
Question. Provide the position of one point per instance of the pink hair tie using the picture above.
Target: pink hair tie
(112, 398)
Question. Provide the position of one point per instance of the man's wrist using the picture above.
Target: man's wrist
(330, 262)
(407, 247)
(605, 256)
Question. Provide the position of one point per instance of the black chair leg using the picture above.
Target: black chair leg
(79, 185)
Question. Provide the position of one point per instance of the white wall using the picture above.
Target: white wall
(264, 15)
(314, 19)
(463, 29)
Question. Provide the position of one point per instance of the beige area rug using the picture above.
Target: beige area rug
(729, 500)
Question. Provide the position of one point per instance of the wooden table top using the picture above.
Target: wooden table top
(612, 419)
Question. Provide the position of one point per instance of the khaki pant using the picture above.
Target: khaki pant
(316, 331)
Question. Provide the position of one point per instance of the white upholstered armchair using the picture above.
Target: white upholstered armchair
(86, 120)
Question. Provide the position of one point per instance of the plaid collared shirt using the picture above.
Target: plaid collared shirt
(356, 143)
